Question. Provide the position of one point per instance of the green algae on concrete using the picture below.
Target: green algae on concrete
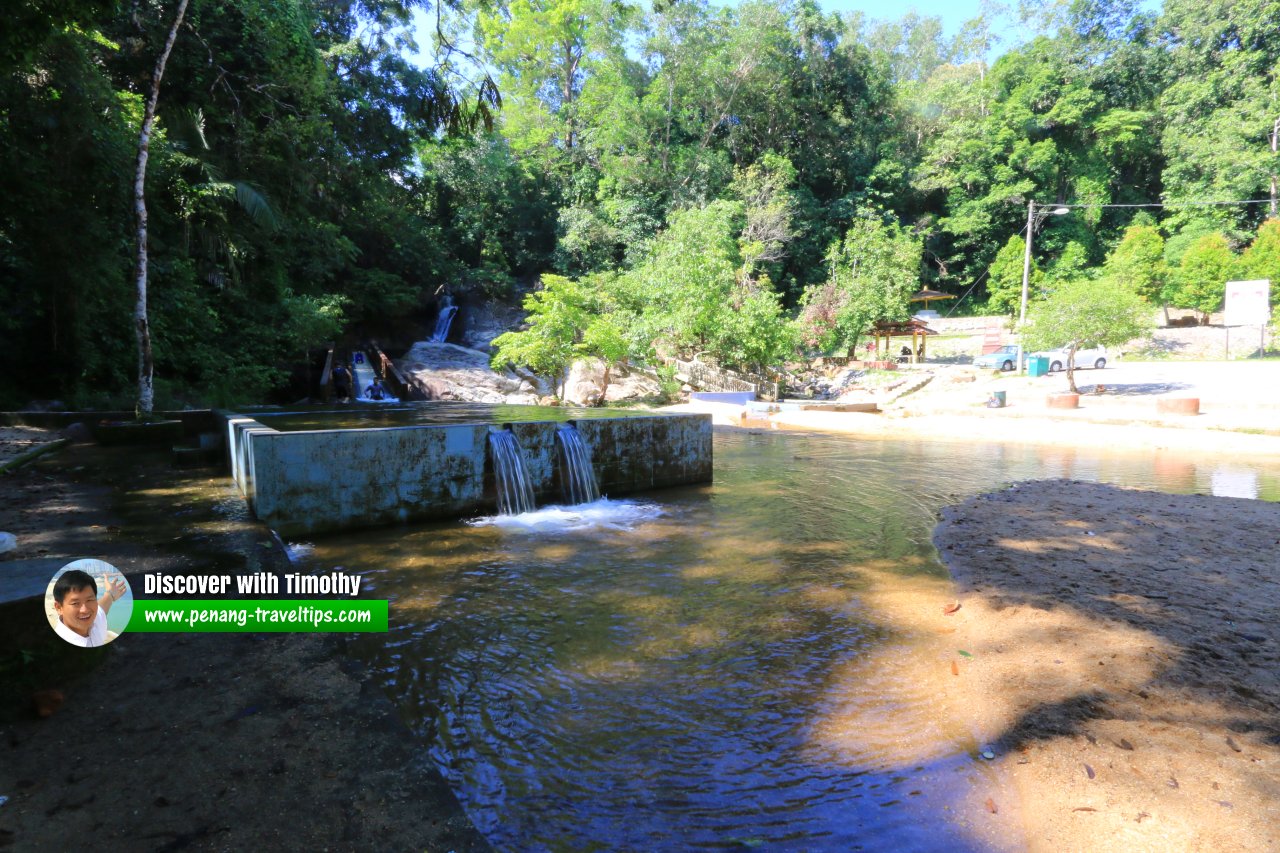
(314, 480)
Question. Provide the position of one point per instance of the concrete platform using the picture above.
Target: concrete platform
(22, 579)
(317, 480)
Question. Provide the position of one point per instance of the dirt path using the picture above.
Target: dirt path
(14, 441)
(191, 741)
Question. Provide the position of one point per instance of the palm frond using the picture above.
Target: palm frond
(255, 203)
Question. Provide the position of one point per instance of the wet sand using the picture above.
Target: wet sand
(1119, 652)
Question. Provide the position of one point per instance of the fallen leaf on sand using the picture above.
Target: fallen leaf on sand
(991, 806)
(955, 668)
(1084, 809)
(47, 702)
(1089, 770)
(951, 608)
(964, 653)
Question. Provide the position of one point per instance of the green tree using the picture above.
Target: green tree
(766, 191)
(1262, 258)
(681, 291)
(872, 273)
(556, 316)
(1004, 277)
(544, 49)
(568, 320)
(755, 333)
(1200, 281)
(1219, 109)
(1086, 312)
(1137, 262)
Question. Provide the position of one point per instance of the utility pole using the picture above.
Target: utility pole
(1275, 132)
(1026, 261)
(1026, 277)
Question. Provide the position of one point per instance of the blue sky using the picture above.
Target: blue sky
(953, 15)
(952, 12)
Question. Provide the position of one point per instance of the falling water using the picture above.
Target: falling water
(443, 321)
(515, 494)
(576, 473)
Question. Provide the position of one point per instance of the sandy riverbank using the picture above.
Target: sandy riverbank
(1121, 657)
(984, 426)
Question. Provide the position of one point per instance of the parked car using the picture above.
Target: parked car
(1005, 358)
(1084, 357)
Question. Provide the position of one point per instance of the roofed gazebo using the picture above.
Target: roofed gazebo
(888, 330)
(927, 296)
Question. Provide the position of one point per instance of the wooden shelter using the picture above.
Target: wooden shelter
(927, 296)
(887, 331)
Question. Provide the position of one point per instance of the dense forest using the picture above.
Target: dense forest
(742, 181)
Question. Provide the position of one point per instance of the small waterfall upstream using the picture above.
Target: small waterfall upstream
(443, 321)
(515, 494)
(577, 475)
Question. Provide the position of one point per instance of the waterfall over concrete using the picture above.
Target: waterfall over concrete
(576, 473)
(443, 321)
(515, 492)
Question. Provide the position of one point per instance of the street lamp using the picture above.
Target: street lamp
(1026, 267)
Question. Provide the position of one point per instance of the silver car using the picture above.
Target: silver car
(1085, 357)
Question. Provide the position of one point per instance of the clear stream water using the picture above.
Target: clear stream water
(695, 668)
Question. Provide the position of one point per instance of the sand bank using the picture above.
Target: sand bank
(1002, 426)
(1121, 656)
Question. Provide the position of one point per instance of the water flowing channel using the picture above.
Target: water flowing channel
(575, 467)
(515, 494)
(707, 667)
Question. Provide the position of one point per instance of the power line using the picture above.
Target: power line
(1159, 204)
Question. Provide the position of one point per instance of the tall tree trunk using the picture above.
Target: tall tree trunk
(142, 328)
(1071, 371)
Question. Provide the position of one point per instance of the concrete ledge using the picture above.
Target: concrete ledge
(309, 481)
(21, 579)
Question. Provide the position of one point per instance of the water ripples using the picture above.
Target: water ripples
(705, 669)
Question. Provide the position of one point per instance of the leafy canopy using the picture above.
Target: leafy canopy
(873, 271)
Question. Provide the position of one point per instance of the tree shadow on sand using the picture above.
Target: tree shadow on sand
(1128, 648)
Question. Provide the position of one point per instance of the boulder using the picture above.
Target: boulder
(582, 388)
(77, 433)
(450, 372)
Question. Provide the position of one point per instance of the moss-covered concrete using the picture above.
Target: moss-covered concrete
(319, 480)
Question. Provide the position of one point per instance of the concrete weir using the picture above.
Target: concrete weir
(311, 480)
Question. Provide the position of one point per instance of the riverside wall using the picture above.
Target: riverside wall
(321, 480)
